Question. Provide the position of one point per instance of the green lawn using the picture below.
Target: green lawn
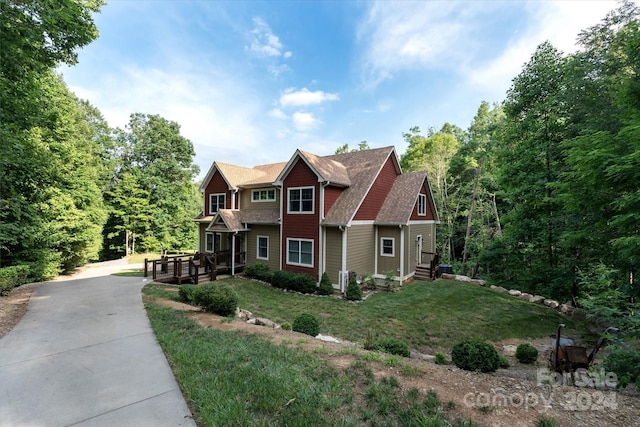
(429, 316)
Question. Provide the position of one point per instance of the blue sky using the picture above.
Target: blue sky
(250, 81)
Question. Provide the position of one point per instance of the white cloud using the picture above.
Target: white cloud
(558, 22)
(304, 97)
(264, 42)
(277, 113)
(304, 121)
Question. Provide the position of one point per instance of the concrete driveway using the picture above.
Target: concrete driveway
(84, 354)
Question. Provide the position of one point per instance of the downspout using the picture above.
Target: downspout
(401, 254)
(343, 267)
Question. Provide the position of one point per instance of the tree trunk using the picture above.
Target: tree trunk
(495, 212)
(465, 251)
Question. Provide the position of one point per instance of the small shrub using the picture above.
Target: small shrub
(368, 281)
(354, 293)
(440, 359)
(475, 355)
(258, 271)
(625, 363)
(286, 326)
(546, 422)
(12, 277)
(326, 287)
(526, 353)
(307, 324)
(504, 363)
(299, 282)
(186, 293)
(393, 346)
(370, 338)
(218, 299)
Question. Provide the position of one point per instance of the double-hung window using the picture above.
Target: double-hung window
(300, 252)
(212, 242)
(216, 202)
(422, 204)
(263, 247)
(301, 200)
(387, 246)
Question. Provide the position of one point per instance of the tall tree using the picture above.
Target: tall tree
(161, 160)
(433, 154)
(531, 164)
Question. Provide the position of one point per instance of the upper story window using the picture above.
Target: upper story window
(263, 195)
(301, 200)
(422, 204)
(216, 202)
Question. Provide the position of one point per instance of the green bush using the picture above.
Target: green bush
(475, 355)
(526, 353)
(12, 277)
(186, 293)
(286, 326)
(307, 324)
(440, 359)
(258, 271)
(393, 346)
(326, 287)
(218, 299)
(625, 363)
(354, 293)
(298, 282)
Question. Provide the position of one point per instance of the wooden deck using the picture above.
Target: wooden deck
(428, 267)
(192, 268)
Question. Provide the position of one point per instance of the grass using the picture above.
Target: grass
(428, 316)
(129, 273)
(234, 379)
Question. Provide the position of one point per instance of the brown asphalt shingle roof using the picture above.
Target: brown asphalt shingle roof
(399, 204)
(362, 167)
(328, 169)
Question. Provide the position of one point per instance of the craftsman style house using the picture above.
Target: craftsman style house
(347, 212)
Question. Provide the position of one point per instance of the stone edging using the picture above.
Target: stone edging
(536, 299)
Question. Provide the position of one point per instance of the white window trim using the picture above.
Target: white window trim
(259, 200)
(393, 246)
(422, 203)
(217, 195)
(289, 240)
(313, 200)
(258, 247)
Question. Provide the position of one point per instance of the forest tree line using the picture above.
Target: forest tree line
(72, 189)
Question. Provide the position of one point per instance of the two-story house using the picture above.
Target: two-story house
(345, 212)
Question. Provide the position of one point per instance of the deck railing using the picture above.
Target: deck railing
(433, 260)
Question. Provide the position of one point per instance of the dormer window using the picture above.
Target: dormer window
(301, 200)
(422, 204)
(216, 202)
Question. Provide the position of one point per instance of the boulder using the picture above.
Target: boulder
(478, 282)
(538, 299)
(551, 303)
(448, 276)
(525, 296)
(509, 350)
(565, 308)
(261, 321)
(498, 288)
(515, 293)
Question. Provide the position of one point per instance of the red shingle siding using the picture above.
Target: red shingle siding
(303, 225)
(217, 185)
(429, 216)
(331, 194)
(378, 193)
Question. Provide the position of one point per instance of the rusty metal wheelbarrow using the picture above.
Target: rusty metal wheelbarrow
(566, 357)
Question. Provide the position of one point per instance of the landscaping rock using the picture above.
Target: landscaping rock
(261, 321)
(448, 276)
(525, 296)
(551, 303)
(509, 350)
(538, 299)
(498, 288)
(515, 293)
(566, 309)
(478, 282)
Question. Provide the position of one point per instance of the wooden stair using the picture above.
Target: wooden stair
(425, 273)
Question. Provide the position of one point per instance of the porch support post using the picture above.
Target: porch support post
(233, 254)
